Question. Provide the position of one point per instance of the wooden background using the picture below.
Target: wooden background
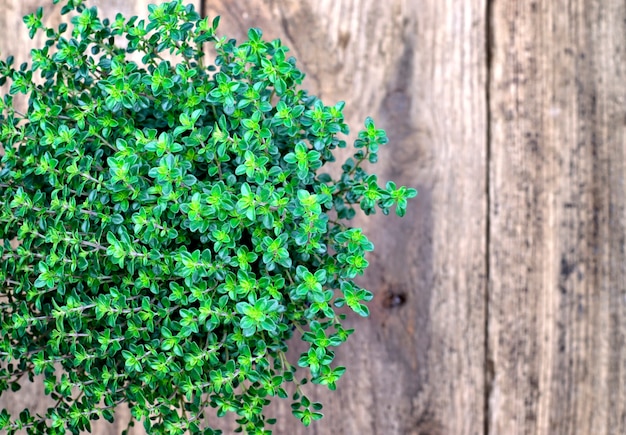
(509, 118)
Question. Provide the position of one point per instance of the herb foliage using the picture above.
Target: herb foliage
(175, 229)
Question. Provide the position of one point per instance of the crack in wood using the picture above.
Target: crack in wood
(489, 363)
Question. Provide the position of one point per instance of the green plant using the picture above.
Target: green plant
(174, 227)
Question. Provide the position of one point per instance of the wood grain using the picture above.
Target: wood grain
(558, 298)
(501, 297)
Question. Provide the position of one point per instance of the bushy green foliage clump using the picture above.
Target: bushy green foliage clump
(174, 228)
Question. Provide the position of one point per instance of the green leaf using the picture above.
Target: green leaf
(174, 228)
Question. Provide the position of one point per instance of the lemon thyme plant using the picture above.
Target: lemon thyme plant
(174, 228)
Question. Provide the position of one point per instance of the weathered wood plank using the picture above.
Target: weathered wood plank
(420, 69)
(557, 224)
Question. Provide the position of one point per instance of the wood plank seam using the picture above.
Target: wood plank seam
(489, 364)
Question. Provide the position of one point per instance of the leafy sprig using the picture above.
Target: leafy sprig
(174, 225)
